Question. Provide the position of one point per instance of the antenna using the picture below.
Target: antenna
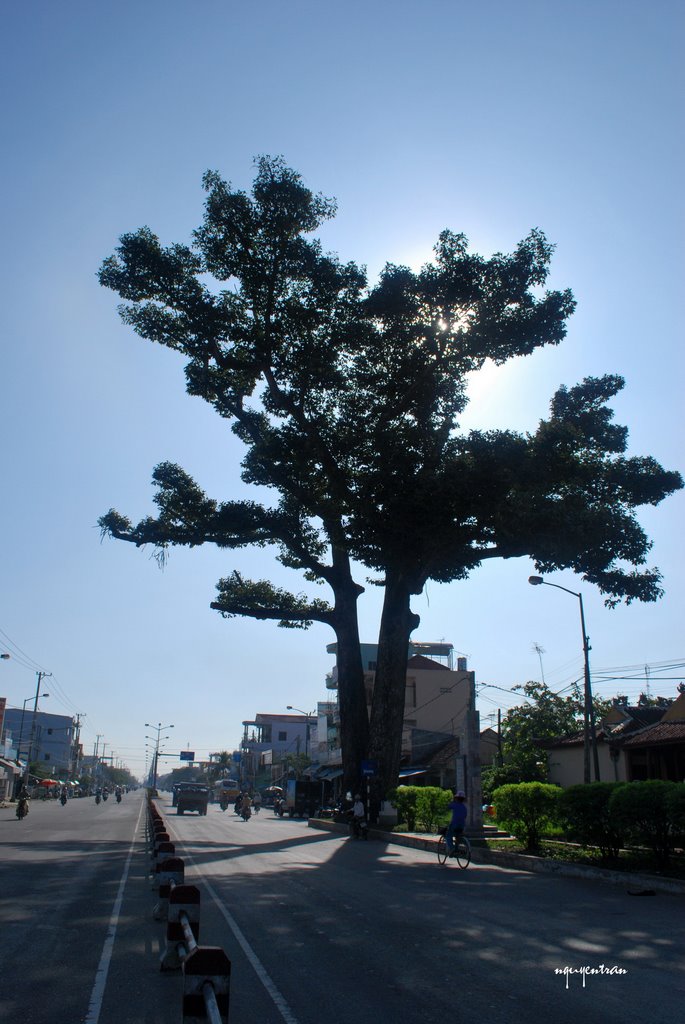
(540, 651)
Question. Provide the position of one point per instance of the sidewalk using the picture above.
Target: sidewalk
(638, 884)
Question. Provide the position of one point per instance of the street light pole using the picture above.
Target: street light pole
(308, 715)
(158, 729)
(589, 734)
(21, 724)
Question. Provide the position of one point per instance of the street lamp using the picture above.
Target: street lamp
(21, 724)
(158, 729)
(589, 736)
(308, 715)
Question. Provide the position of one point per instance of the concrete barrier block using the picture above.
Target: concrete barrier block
(207, 967)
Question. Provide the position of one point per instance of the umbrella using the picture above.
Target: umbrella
(48, 782)
(273, 789)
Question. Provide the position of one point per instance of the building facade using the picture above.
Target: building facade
(50, 741)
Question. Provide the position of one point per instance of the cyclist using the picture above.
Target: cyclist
(456, 826)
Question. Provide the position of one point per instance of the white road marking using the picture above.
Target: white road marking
(96, 996)
(259, 969)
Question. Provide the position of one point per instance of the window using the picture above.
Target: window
(266, 734)
(410, 694)
(49, 732)
(46, 757)
(282, 736)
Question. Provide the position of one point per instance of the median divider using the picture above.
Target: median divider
(206, 969)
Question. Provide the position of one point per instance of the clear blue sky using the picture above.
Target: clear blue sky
(489, 118)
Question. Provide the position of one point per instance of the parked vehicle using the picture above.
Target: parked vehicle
(193, 797)
(303, 797)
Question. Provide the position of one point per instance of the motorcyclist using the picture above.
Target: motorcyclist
(63, 795)
(246, 808)
(358, 816)
(223, 800)
(257, 802)
(23, 802)
(117, 793)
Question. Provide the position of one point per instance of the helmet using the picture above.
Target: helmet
(460, 793)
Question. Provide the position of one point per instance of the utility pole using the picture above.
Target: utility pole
(40, 676)
(73, 768)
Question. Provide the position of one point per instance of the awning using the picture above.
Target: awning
(329, 773)
(406, 773)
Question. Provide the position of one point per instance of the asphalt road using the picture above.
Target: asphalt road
(318, 927)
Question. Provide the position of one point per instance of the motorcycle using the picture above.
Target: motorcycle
(246, 812)
(359, 828)
(105, 795)
(223, 803)
(97, 798)
(118, 798)
(63, 799)
(22, 808)
(278, 807)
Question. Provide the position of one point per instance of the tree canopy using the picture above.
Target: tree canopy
(347, 398)
(544, 715)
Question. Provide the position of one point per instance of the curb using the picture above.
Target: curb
(646, 884)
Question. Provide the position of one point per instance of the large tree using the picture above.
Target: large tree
(348, 400)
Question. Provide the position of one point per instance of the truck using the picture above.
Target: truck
(305, 797)
(192, 796)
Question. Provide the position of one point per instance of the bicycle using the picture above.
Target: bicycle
(461, 849)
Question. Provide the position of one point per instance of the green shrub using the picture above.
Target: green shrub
(584, 811)
(650, 814)
(431, 806)
(526, 809)
(675, 804)
(404, 799)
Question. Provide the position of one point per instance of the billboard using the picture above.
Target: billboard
(187, 755)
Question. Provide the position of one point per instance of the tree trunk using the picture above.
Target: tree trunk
(354, 718)
(387, 709)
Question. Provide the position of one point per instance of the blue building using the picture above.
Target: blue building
(45, 739)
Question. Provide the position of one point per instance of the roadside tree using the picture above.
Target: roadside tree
(348, 400)
(544, 715)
